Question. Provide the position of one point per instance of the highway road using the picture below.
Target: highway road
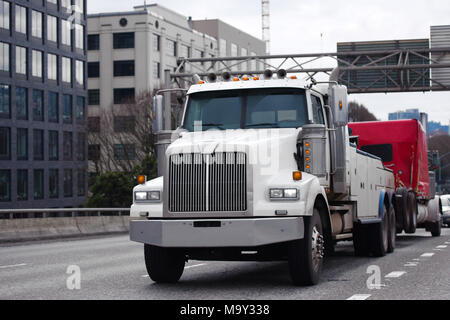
(112, 267)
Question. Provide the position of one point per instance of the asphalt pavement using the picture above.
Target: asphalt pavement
(112, 267)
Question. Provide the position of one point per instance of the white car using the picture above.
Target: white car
(446, 208)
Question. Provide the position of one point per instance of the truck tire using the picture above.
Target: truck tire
(305, 256)
(411, 225)
(401, 204)
(435, 228)
(379, 235)
(392, 230)
(361, 240)
(164, 265)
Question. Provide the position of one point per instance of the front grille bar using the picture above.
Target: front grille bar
(208, 183)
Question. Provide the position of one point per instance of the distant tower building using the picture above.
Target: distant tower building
(405, 115)
(266, 24)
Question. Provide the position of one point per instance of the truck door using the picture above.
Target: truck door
(319, 118)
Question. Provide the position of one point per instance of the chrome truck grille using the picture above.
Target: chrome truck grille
(208, 183)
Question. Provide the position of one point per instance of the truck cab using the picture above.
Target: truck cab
(260, 169)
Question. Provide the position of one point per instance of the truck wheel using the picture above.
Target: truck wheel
(379, 235)
(411, 225)
(435, 229)
(305, 256)
(360, 240)
(164, 265)
(401, 204)
(392, 230)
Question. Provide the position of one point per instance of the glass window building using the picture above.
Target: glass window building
(43, 98)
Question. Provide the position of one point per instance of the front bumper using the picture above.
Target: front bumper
(216, 233)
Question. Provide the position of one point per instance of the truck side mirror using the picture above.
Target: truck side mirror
(157, 114)
(338, 104)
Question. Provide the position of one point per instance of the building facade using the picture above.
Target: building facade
(127, 55)
(43, 94)
(405, 115)
(233, 42)
(436, 127)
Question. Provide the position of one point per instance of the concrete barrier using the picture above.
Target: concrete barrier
(12, 230)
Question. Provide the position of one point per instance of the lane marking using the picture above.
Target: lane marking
(189, 267)
(360, 297)
(196, 266)
(427, 255)
(395, 274)
(411, 264)
(441, 247)
(13, 266)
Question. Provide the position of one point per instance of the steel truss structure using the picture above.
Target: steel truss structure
(402, 70)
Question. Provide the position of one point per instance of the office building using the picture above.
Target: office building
(43, 92)
(405, 115)
(232, 42)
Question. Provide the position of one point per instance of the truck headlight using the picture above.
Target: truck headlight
(291, 193)
(151, 196)
(280, 194)
(276, 193)
(140, 196)
(154, 195)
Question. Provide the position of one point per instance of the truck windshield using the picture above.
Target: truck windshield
(245, 109)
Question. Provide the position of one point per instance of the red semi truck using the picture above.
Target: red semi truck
(402, 146)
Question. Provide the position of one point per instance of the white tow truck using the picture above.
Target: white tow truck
(263, 170)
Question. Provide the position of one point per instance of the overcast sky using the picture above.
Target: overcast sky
(297, 25)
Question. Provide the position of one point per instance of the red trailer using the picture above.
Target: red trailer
(402, 146)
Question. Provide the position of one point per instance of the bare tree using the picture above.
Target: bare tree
(359, 113)
(441, 143)
(125, 135)
(125, 132)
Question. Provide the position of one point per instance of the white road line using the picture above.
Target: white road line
(441, 247)
(411, 264)
(13, 266)
(196, 266)
(427, 255)
(395, 274)
(360, 297)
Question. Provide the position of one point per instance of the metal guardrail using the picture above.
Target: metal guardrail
(61, 212)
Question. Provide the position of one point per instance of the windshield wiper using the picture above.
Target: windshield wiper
(275, 125)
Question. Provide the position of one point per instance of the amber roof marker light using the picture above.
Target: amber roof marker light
(297, 175)
(141, 179)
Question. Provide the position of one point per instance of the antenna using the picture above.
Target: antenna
(266, 24)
